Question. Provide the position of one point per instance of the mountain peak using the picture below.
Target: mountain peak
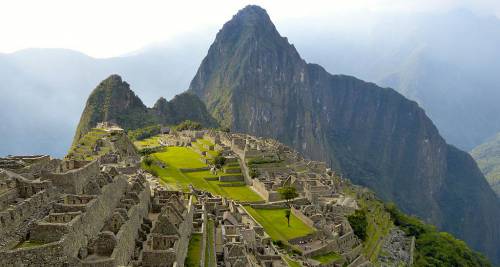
(113, 78)
(254, 81)
(252, 13)
(112, 83)
(249, 21)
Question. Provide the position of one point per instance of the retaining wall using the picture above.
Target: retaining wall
(73, 181)
(129, 231)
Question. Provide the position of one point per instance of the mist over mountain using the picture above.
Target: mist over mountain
(445, 62)
(44, 90)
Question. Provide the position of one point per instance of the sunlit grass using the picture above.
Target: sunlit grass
(176, 158)
(276, 225)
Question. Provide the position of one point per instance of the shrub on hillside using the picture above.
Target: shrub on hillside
(359, 223)
(262, 161)
(434, 248)
(148, 161)
(253, 172)
(219, 161)
(143, 133)
(150, 150)
(188, 125)
(153, 172)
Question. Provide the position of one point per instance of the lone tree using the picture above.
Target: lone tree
(288, 193)
(219, 161)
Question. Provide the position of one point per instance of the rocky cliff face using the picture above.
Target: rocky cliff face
(254, 81)
(112, 100)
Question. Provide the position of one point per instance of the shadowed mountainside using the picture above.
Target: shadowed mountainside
(254, 81)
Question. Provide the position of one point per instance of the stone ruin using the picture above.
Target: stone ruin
(108, 212)
(104, 212)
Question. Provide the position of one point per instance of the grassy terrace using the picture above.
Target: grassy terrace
(148, 143)
(327, 258)
(83, 150)
(291, 262)
(379, 225)
(176, 158)
(209, 252)
(194, 251)
(276, 225)
(201, 145)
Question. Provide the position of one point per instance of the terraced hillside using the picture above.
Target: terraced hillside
(179, 167)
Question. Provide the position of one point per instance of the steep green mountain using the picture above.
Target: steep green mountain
(254, 81)
(113, 101)
(487, 156)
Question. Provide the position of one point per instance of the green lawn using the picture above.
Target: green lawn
(184, 157)
(148, 142)
(327, 258)
(209, 252)
(291, 262)
(83, 149)
(200, 144)
(194, 251)
(29, 244)
(276, 225)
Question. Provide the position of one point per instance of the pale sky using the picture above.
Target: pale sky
(106, 28)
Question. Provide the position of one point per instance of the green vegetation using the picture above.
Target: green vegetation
(167, 165)
(150, 142)
(147, 161)
(253, 172)
(288, 193)
(219, 161)
(359, 223)
(84, 148)
(256, 161)
(143, 133)
(435, 248)
(487, 156)
(194, 251)
(29, 244)
(113, 100)
(188, 125)
(275, 224)
(150, 150)
(378, 223)
(327, 258)
(291, 262)
(209, 252)
(202, 145)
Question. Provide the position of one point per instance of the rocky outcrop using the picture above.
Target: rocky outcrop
(113, 101)
(254, 81)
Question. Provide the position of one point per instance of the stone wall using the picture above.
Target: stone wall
(80, 231)
(73, 181)
(194, 169)
(303, 217)
(129, 231)
(13, 216)
(204, 238)
(185, 229)
(260, 188)
(231, 178)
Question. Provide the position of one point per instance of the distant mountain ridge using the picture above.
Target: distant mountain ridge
(254, 81)
(487, 156)
(113, 101)
(427, 59)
